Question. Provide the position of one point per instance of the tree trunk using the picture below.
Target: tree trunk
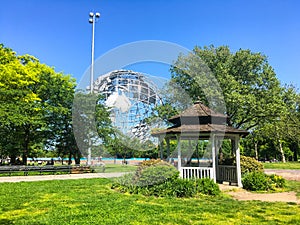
(256, 150)
(295, 156)
(26, 146)
(294, 147)
(12, 159)
(77, 156)
(77, 160)
(70, 158)
(280, 148)
(281, 151)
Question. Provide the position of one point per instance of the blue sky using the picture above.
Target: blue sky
(58, 33)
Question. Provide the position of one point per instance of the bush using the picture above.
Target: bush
(155, 174)
(158, 178)
(249, 164)
(259, 181)
(278, 181)
(176, 188)
(207, 186)
(256, 181)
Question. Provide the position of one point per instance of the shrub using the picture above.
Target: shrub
(278, 181)
(155, 174)
(176, 188)
(158, 178)
(249, 164)
(152, 162)
(256, 181)
(259, 181)
(207, 186)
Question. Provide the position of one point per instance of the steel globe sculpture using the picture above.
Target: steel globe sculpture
(131, 97)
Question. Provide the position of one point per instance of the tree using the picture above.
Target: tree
(19, 106)
(91, 123)
(283, 131)
(248, 84)
(33, 101)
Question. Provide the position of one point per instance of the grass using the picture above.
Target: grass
(112, 168)
(294, 186)
(91, 201)
(280, 165)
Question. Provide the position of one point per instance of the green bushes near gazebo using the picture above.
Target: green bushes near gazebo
(161, 179)
(254, 178)
(259, 181)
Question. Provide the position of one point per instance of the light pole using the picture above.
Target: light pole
(93, 19)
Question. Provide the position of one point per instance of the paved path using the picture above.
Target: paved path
(244, 195)
(59, 177)
(287, 174)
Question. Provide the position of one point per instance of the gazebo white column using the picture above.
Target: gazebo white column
(214, 156)
(179, 155)
(238, 161)
(161, 139)
(168, 149)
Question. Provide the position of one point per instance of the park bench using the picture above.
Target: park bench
(11, 169)
(41, 169)
(48, 168)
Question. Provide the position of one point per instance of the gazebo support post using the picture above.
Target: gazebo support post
(179, 155)
(214, 157)
(197, 151)
(218, 146)
(238, 161)
(161, 139)
(168, 149)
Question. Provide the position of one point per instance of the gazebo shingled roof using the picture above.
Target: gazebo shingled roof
(198, 110)
(199, 119)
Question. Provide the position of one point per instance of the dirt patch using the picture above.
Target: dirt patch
(244, 195)
(287, 174)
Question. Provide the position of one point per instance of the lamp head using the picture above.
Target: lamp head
(91, 14)
(97, 15)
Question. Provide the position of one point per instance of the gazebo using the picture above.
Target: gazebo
(202, 123)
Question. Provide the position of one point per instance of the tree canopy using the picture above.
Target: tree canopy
(247, 85)
(35, 102)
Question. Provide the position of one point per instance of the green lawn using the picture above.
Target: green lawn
(280, 165)
(112, 168)
(294, 186)
(91, 201)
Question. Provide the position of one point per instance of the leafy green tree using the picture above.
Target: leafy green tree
(248, 84)
(33, 100)
(91, 123)
(253, 96)
(285, 128)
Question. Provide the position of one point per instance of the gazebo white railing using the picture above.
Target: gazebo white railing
(227, 173)
(196, 172)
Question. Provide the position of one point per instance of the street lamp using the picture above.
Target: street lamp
(93, 19)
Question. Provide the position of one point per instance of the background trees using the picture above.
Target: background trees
(253, 96)
(35, 105)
